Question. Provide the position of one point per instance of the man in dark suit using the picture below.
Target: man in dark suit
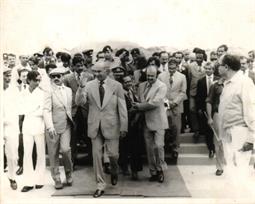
(133, 143)
(79, 113)
(203, 86)
(107, 120)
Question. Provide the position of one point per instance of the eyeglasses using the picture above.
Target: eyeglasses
(55, 76)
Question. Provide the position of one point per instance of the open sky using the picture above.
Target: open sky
(29, 25)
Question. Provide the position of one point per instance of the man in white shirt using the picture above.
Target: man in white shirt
(237, 118)
(245, 69)
(10, 126)
(33, 132)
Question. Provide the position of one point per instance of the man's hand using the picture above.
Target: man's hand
(123, 134)
(52, 133)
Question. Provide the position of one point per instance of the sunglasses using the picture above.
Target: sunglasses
(55, 76)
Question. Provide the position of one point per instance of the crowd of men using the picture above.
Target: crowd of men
(123, 105)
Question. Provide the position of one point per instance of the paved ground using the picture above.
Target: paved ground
(201, 182)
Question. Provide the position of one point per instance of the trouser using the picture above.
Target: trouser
(111, 147)
(124, 153)
(11, 149)
(206, 130)
(220, 160)
(174, 122)
(185, 115)
(34, 177)
(154, 141)
(60, 143)
(193, 114)
(237, 162)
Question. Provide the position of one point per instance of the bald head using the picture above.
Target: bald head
(151, 73)
(101, 70)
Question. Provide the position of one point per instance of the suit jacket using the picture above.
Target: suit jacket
(111, 117)
(71, 82)
(177, 92)
(56, 113)
(202, 92)
(153, 105)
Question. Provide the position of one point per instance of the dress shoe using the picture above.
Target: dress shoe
(211, 154)
(13, 184)
(134, 176)
(160, 177)
(38, 186)
(219, 172)
(19, 171)
(114, 179)
(153, 178)
(107, 168)
(58, 185)
(27, 188)
(98, 193)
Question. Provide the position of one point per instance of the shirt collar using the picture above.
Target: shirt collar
(105, 81)
(235, 78)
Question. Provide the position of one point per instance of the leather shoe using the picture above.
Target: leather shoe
(19, 171)
(211, 154)
(27, 188)
(13, 184)
(134, 176)
(98, 193)
(219, 172)
(160, 177)
(114, 179)
(58, 185)
(38, 186)
(153, 178)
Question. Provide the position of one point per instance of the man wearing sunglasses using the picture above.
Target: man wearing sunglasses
(58, 121)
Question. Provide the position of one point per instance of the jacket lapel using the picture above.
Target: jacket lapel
(108, 93)
(58, 95)
(151, 91)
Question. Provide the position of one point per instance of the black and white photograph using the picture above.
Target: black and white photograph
(127, 101)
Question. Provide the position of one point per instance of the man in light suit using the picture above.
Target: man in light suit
(107, 120)
(176, 94)
(58, 121)
(152, 94)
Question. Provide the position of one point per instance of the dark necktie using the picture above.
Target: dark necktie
(101, 92)
(171, 80)
(146, 91)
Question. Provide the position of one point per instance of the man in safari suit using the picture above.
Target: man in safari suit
(107, 120)
(152, 94)
(58, 121)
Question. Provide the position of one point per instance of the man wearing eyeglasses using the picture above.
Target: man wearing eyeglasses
(58, 121)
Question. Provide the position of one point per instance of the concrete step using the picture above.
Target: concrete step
(188, 138)
(190, 148)
(195, 159)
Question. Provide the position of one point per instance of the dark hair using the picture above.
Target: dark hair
(65, 57)
(157, 62)
(34, 59)
(232, 61)
(135, 51)
(141, 62)
(77, 59)
(47, 51)
(162, 52)
(78, 55)
(197, 50)
(50, 66)
(58, 54)
(106, 48)
(11, 55)
(178, 52)
(172, 60)
(224, 46)
(32, 75)
(120, 51)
